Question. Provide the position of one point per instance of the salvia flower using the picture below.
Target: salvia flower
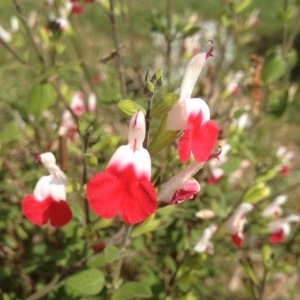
(281, 228)
(235, 224)
(285, 157)
(216, 165)
(274, 208)
(204, 245)
(191, 116)
(182, 186)
(125, 187)
(48, 201)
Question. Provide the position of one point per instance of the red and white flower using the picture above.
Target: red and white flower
(274, 209)
(191, 116)
(182, 186)
(281, 228)
(125, 187)
(204, 245)
(216, 165)
(285, 157)
(48, 201)
(235, 224)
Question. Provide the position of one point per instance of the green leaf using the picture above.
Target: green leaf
(87, 282)
(97, 261)
(9, 133)
(150, 86)
(266, 253)
(159, 74)
(163, 138)
(41, 98)
(147, 226)
(189, 30)
(128, 107)
(242, 6)
(91, 159)
(5, 297)
(256, 193)
(164, 105)
(132, 290)
(277, 104)
(274, 68)
(250, 272)
(112, 253)
(268, 176)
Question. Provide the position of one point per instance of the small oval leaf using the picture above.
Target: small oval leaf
(128, 107)
(87, 282)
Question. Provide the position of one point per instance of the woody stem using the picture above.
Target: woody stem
(117, 271)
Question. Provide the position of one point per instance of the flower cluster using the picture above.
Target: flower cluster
(278, 227)
(191, 118)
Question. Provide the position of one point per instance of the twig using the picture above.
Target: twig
(15, 55)
(117, 271)
(28, 32)
(119, 58)
(168, 39)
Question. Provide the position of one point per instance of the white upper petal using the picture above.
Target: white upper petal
(191, 74)
(42, 188)
(195, 105)
(274, 207)
(177, 117)
(49, 186)
(140, 159)
(137, 130)
(204, 242)
(177, 182)
(237, 221)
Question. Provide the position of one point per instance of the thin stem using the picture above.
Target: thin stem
(148, 119)
(83, 66)
(84, 174)
(168, 39)
(28, 32)
(119, 58)
(15, 55)
(117, 271)
(284, 31)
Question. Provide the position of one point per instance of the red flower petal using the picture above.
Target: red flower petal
(109, 193)
(139, 201)
(204, 140)
(237, 240)
(198, 138)
(59, 213)
(187, 192)
(184, 145)
(104, 194)
(77, 9)
(37, 212)
(277, 237)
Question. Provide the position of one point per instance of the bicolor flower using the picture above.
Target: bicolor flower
(191, 116)
(235, 224)
(48, 201)
(274, 208)
(78, 107)
(77, 104)
(125, 187)
(285, 157)
(182, 186)
(281, 228)
(204, 245)
(216, 165)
